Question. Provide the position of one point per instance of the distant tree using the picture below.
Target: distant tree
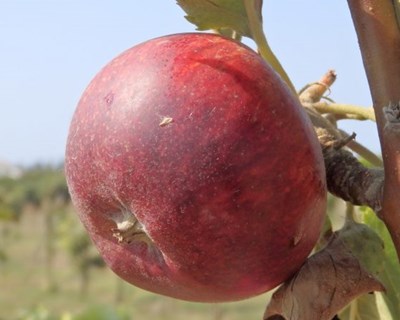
(44, 189)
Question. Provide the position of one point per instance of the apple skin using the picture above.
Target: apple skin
(198, 142)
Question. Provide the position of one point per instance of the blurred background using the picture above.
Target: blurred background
(50, 50)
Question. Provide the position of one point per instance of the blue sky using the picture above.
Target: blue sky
(51, 49)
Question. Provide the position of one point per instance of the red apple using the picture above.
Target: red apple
(195, 170)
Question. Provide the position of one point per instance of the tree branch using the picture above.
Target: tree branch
(346, 177)
(313, 92)
(354, 112)
(364, 152)
(379, 38)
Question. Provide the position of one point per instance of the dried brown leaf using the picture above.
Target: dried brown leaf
(327, 282)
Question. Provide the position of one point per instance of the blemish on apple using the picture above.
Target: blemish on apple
(165, 121)
(109, 98)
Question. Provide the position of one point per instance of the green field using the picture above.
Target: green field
(35, 287)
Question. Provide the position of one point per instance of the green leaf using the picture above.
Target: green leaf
(363, 308)
(217, 14)
(390, 275)
(365, 244)
(368, 247)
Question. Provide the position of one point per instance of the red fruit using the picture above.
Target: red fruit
(195, 170)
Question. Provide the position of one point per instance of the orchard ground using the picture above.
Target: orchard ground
(25, 289)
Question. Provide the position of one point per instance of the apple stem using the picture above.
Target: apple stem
(258, 35)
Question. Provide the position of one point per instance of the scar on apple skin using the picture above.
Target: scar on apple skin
(128, 228)
(296, 240)
(166, 121)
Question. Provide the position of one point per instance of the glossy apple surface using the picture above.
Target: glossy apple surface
(195, 170)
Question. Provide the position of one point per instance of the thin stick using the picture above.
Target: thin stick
(361, 113)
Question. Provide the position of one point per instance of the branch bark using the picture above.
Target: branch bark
(379, 39)
(347, 178)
